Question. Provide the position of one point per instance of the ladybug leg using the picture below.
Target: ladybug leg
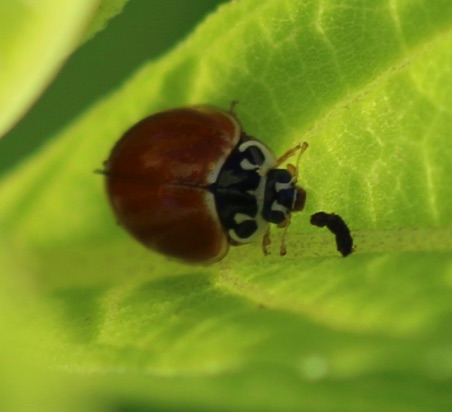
(284, 225)
(232, 107)
(301, 147)
(100, 171)
(266, 242)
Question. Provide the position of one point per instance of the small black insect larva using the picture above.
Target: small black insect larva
(336, 225)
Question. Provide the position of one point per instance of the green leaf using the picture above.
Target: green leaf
(106, 10)
(368, 85)
(35, 39)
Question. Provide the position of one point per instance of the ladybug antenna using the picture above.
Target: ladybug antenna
(293, 170)
(302, 149)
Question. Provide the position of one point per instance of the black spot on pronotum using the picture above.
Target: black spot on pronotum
(338, 227)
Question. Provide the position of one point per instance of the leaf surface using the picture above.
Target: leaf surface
(368, 86)
(35, 39)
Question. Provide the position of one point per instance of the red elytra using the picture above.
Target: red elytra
(189, 182)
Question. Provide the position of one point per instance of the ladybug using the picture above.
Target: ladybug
(189, 182)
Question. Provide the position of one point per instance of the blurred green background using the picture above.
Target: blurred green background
(143, 31)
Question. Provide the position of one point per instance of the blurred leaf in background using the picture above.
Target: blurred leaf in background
(108, 325)
(143, 31)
